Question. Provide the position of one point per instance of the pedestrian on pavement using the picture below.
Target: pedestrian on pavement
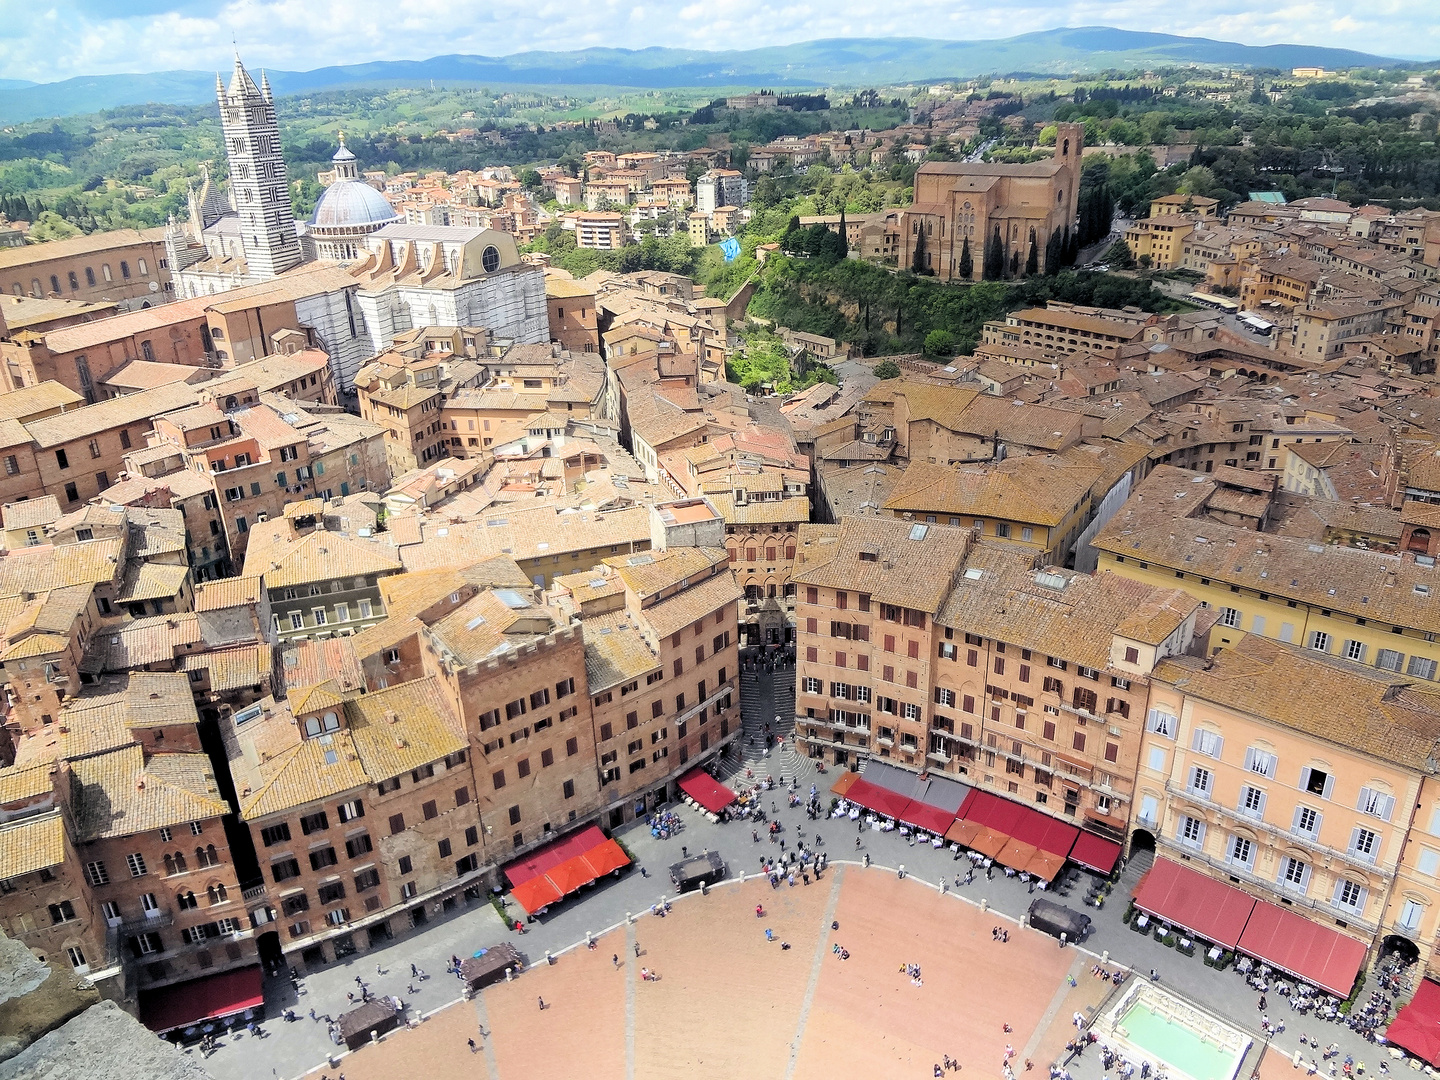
(414, 971)
(637, 949)
(684, 852)
(472, 1045)
(542, 1004)
(615, 959)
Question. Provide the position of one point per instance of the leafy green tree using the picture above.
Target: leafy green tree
(51, 226)
(967, 263)
(1119, 255)
(941, 343)
(1032, 258)
(887, 369)
(531, 180)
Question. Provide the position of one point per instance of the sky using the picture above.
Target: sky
(47, 41)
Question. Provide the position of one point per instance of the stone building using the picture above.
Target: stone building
(363, 813)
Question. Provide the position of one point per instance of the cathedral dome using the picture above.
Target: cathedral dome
(349, 204)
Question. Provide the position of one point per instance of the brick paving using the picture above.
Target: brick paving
(729, 1003)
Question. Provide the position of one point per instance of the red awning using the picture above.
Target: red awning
(535, 894)
(546, 858)
(1417, 1026)
(1045, 833)
(195, 1002)
(1095, 852)
(1203, 906)
(560, 868)
(706, 790)
(930, 818)
(873, 797)
(1307, 950)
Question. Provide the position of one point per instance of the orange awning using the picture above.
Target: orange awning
(1045, 865)
(963, 832)
(606, 858)
(842, 785)
(989, 842)
(570, 875)
(535, 894)
(1016, 854)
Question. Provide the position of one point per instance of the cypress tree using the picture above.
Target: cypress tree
(1015, 263)
(1053, 253)
(994, 265)
(844, 243)
(1032, 259)
(917, 263)
(967, 263)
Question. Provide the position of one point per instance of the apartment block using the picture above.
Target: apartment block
(1247, 781)
(363, 812)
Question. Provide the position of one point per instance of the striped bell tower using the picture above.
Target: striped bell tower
(259, 183)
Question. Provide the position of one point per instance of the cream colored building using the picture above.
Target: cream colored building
(1304, 798)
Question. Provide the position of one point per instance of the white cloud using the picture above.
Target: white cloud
(80, 37)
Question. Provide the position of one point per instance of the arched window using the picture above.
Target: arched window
(169, 865)
(90, 276)
(1419, 541)
(1066, 151)
(216, 893)
(144, 270)
(186, 900)
(105, 272)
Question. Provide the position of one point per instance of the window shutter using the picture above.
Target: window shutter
(1329, 786)
(1387, 807)
(1305, 878)
(1218, 748)
(1200, 840)
(1305, 778)
(1295, 820)
(1197, 739)
(1260, 810)
(1250, 759)
(1364, 801)
(1354, 840)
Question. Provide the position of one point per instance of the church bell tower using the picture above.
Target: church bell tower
(259, 183)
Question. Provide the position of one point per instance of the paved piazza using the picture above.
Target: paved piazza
(730, 1004)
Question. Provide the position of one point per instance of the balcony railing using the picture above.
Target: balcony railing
(1301, 839)
(151, 920)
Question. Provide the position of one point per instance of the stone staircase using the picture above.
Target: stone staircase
(763, 696)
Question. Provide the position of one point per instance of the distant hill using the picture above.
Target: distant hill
(834, 62)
